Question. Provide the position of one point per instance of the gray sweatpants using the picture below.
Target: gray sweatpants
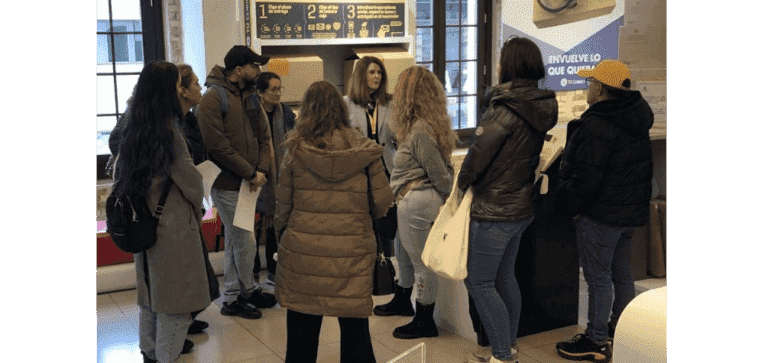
(415, 214)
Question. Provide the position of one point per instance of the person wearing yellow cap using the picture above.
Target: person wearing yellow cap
(605, 187)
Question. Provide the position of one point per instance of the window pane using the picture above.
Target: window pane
(452, 78)
(424, 13)
(104, 126)
(452, 12)
(468, 112)
(126, 10)
(469, 78)
(125, 86)
(423, 44)
(105, 123)
(102, 25)
(452, 43)
(427, 66)
(102, 10)
(469, 12)
(453, 111)
(102, 49)
(129, 67)
(105, 95)
(469, 43)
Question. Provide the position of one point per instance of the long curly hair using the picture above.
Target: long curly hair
(359, 92)
(146, 146)
(419, 95)
(322, 110)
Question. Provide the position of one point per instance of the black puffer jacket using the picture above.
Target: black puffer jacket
(502, 160)
(607, 166)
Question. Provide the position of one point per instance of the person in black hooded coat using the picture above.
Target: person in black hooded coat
(500, 166)
(606, 188)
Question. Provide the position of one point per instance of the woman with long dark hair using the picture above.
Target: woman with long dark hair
(331, 185)
(501, 167)
(170, 276)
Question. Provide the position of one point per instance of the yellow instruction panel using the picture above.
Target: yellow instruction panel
(328, 19)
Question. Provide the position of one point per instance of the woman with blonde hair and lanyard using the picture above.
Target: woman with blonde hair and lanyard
(421, 180)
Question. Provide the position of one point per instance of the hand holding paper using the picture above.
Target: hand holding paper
(245, 211)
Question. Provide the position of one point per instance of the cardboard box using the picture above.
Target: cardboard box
(297, 73)
(581, 11)
(395, 60)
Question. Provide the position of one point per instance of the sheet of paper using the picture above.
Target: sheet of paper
(245, 211)
(209, 171)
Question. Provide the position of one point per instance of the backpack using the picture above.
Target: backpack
(225, 100)
(130, 223)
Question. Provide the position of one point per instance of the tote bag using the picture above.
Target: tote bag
(447, 246)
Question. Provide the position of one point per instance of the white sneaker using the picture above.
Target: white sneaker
(484, 355)
(481, 355)
(494, 360)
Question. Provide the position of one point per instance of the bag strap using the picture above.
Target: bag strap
(160, 204)
(224, 99)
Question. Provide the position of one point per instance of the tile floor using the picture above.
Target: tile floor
(233, 339)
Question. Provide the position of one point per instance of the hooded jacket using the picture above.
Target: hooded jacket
(237, 144)
(607, 164)
(326, 198)
(502, 160)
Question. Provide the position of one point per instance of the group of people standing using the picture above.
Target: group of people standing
(349, 170)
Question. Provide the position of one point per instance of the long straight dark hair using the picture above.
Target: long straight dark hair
(146, 146)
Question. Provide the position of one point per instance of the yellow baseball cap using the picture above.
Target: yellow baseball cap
(610, 71)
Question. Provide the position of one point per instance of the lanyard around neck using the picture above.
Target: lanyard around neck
(372, 119)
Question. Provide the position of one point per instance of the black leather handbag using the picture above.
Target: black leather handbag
(383, 276)
(383, 271)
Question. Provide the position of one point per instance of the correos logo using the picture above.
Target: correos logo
(563, 82)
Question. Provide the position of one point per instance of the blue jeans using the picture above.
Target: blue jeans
(605, 253)
(239, 248)
(491, 281)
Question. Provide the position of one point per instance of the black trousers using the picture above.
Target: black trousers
(304, 333)
(270, 248)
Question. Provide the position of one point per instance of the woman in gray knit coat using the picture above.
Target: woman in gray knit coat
(421, 180)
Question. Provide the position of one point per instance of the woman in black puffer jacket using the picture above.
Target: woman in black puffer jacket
(501, 167)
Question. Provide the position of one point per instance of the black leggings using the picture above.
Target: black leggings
(304, 333)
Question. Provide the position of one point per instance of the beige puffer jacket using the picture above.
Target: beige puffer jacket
(327, 251)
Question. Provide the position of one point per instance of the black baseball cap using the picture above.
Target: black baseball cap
(241, 55)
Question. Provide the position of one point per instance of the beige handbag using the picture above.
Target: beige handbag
(447, 246)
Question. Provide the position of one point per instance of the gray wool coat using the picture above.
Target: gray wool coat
(177, 275)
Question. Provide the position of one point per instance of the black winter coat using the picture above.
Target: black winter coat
(502, 160)
(607, 166)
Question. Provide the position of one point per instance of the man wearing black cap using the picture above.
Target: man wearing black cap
(239, 146)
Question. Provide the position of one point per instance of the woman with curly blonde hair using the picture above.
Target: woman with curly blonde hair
(421, 180)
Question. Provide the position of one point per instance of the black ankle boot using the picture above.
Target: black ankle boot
(422, 325)
(400, 304)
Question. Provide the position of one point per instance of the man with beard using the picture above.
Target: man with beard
(239, 146)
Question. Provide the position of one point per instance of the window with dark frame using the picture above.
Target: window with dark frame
(129, 34)
(453, 40)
